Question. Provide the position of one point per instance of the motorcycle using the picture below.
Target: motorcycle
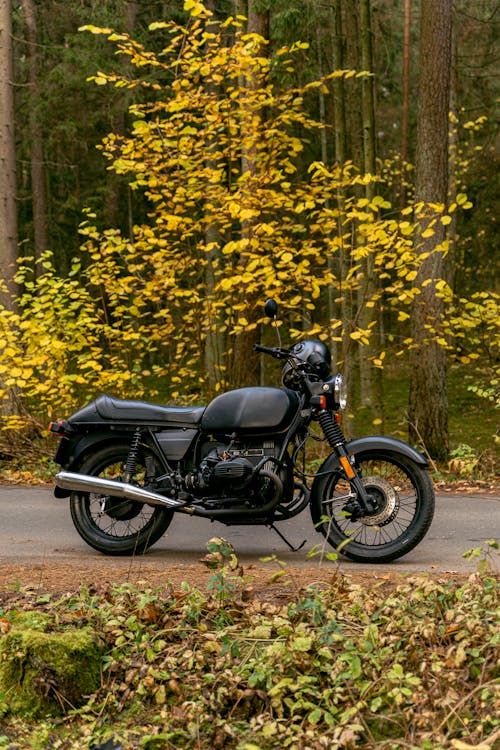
(128, 466)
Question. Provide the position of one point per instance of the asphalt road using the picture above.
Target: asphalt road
(36, 526)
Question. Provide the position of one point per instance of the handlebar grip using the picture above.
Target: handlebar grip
(274, 352)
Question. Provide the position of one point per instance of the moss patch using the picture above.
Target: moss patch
(45, 674)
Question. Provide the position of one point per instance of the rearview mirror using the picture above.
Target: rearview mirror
(271, 308)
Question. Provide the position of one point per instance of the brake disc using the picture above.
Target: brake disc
(386, 499)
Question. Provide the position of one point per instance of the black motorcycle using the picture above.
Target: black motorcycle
(129, 465)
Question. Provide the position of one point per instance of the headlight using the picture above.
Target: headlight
(340, 391)
(335, 387)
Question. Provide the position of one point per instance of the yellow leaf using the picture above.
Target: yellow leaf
(459, 745)
(95, 29)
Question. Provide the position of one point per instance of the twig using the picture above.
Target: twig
(431, 461)
(463, 701)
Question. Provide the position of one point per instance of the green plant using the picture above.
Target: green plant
(464, 460)
(485, 555)
(410, 665)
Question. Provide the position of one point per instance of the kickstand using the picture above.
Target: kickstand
(294, 549)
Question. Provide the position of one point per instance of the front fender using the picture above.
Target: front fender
(370, 443)
(380, 442)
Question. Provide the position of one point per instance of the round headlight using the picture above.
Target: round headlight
(340, 392)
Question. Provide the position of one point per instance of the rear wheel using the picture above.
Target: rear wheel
(403, 508)
(115, 525)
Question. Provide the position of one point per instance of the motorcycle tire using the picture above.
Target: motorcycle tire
(404, 510)
(113, 525)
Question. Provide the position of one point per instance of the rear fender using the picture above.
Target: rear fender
(71, 450)
(370, 443)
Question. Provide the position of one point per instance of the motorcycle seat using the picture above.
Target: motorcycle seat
(119, 410)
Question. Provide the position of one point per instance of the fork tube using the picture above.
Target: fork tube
(337, 441)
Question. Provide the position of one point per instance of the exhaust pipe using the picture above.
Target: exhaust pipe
(85, 483)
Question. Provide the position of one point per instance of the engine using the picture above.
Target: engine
(238, 469)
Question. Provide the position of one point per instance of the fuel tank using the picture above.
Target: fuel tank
(251, 410)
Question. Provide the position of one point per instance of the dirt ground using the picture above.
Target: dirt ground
(62, 578)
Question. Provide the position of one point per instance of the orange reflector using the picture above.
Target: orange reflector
(322, 402)
(346, 464)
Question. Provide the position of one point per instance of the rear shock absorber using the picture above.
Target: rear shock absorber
(133, 453)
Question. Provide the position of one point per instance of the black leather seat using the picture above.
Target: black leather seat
(119, 410)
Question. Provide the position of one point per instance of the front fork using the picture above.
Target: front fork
(337, 441)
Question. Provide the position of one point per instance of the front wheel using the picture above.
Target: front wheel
(114, 525)
(403, 499)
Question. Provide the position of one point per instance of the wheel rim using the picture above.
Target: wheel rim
(397, 504)
(118, 517)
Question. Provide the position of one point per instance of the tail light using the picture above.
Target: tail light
(58, 428)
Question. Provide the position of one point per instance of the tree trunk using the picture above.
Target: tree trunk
(406, 100)
(246, 365)
(38, 186)
(116, 194)
(428, 407)
(338, 87)
(369, 375)
(214, 342)
(340, 125)
(8, 209)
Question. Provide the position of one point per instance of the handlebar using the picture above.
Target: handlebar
(273, 351)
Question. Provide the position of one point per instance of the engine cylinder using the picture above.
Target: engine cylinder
(234, 469)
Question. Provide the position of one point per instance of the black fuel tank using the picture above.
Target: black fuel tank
(254, 410)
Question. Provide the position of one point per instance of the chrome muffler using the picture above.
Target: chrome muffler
(85, 483)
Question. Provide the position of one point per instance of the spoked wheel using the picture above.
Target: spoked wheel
(403, 499)
(114, 525)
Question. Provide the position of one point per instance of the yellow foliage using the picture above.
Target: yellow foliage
(137, 314)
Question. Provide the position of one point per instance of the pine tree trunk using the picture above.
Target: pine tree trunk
(340, 127)
(214, 342)
(246, 365)
(428, 407)
(369, 375)
(8, 208)
(38, 185)
(406, 102)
